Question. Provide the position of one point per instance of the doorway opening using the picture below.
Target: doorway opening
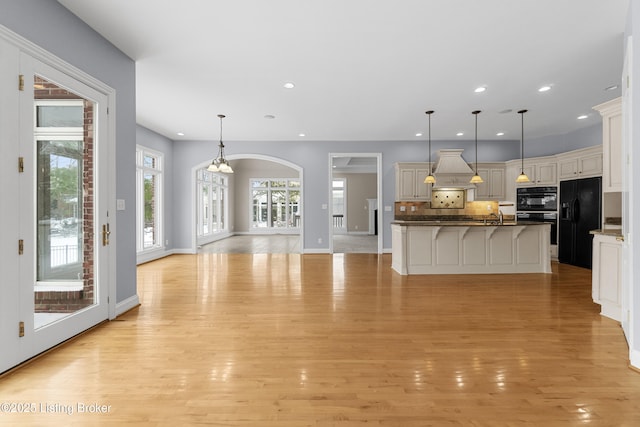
(355, 189)
(264, 208)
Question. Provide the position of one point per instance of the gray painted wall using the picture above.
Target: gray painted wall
(52, 27)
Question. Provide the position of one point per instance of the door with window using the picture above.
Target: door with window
(57, 211)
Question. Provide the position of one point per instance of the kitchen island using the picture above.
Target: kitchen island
(450, 247)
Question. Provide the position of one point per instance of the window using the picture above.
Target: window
(275, 203)
(149, 199)
(59, 135)
(212, 191)
(338, 191)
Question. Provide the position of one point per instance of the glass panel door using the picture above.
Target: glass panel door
(63, 224)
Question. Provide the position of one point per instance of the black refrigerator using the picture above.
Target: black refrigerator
(580, 212)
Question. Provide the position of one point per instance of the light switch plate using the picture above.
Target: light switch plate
(119, 204)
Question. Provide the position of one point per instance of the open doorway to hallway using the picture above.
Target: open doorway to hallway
(355, 191)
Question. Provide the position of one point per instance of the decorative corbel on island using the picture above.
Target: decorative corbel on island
(426, 247)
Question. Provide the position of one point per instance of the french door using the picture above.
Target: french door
(54, 214)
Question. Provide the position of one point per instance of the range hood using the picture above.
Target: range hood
(451, 170)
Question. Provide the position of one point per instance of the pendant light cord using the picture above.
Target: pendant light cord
(221, 116)
(521, 112)
(475, 113)
(429, 113)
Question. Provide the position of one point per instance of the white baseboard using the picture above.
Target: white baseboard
(317, 251)
(267, 232)
(182, 251)
(126, 305)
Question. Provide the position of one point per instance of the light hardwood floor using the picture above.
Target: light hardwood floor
(339, 340)
(287, 244)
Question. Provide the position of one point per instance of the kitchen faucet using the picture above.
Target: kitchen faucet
(499, 218)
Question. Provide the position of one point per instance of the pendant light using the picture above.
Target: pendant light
(220, 164)
(430, 179)
(476, 179)
(523, 176)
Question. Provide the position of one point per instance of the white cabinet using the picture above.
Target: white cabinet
(611, 113)
(580, 163)
(540, 172)
(493, 187)
(606, 275)
(410, 184)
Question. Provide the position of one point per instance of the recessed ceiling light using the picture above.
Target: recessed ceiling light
(480, 89)
(289, 85)
(500, 134)
(180, 133)
(459, 133)
(508, 110)
(418, 134)
(301, 134)
(582, 117)
(544, 88)
(612, 87)
(269, 116)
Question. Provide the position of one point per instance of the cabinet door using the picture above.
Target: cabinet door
(422, 190)
(406, 184)
(612, 151)
(530, 171)
(568, 169)
(496, 180)
(483, 190)
(546, 174)
(590, 165)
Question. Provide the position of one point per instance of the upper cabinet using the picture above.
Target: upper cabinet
(611, 113)
(493, 187)
(541, 172)
(580, 163)
(410, 184)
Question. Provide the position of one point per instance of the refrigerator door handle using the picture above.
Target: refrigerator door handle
(575, 211)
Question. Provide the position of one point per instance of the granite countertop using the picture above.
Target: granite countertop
(464, 223)
(617, 233)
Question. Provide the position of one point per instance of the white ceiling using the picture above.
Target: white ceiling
(364, 69)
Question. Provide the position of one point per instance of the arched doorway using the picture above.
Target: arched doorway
(263, 198)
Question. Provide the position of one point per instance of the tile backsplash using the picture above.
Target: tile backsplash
(421, 211)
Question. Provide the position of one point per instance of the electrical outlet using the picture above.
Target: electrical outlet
(403, 208)
(319, 239)
(413, 208)
(488, 207)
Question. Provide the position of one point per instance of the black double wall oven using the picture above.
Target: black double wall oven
(539, 204)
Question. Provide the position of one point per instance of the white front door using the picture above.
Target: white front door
(54, 187)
